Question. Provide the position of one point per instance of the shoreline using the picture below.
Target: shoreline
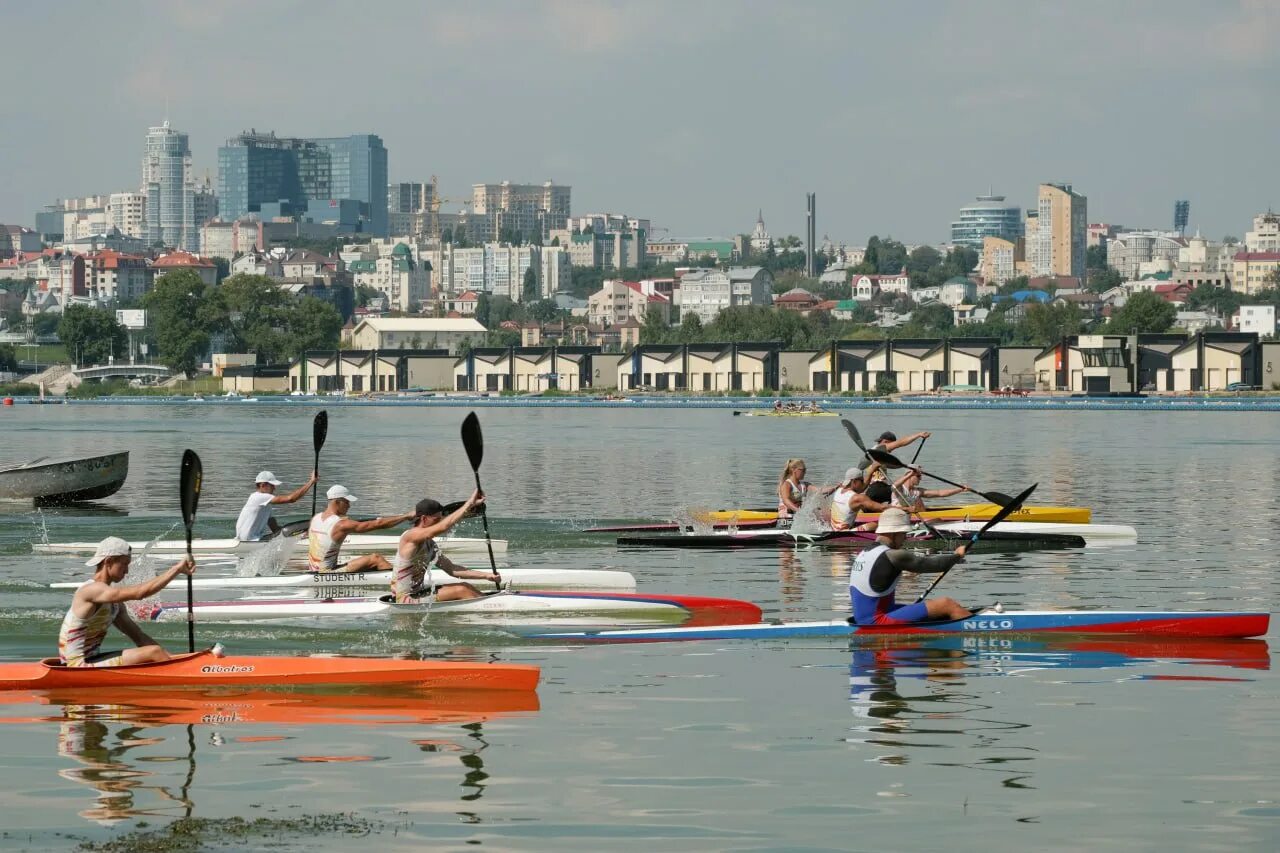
(828, 404)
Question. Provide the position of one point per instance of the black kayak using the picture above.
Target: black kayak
(774, 538)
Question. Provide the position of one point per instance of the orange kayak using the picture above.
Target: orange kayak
(202, 668)
(226, 706)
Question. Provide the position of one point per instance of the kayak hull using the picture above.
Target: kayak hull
(775, 538)
(595, 579)
(203, 668)
(1009, 623)
(363, 543)
(689, 609)
(755, 518)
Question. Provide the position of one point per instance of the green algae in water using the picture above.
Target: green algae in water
(199, 833)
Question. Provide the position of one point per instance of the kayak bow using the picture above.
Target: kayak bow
(597, 579)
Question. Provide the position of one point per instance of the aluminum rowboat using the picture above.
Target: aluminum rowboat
(59, 481)
(202, 668)
(785, 538)
(1150, 623)
(702, 610)
(597, 579)
(359, 543)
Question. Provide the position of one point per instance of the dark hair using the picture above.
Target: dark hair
(887, 436)
(880, 492)
(427, 506)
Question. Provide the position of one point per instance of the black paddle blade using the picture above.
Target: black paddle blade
(853, 433)
(319, 430)
(473, 440)
(189, 482)
(998, 498)
(886, 459)
(1007, 510)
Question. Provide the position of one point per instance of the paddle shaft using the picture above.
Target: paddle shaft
(473, 443)
(1000, 516)
(488, 542)
(888, 460)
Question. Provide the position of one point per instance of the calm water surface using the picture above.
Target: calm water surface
(803, 745)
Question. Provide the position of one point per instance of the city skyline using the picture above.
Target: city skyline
(860, 105)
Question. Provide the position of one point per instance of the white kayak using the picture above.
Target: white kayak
(598, 579)
(1091, 532)
(359, 543)
(620, 604)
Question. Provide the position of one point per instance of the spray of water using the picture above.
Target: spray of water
(41, 525)
(269, 559)
(812, 516)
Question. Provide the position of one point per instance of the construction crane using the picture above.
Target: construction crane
(436, 200)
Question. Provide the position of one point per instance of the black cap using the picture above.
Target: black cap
(887, 436)
(427, 506)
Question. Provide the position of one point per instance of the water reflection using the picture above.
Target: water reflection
(913, 697)
(119, 744)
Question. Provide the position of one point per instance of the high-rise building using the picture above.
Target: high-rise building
(988, 216)
(1265, 236)
(1058, 244)
(1002, 259)
(532, 210)
(286, 176)
(127, 212)
(166, 181)
(811, 233)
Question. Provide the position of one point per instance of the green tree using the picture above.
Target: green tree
(1102, 280)
(530, 285)
(8, 358)
(311, 324)
(184, 316)
(1142, 313)
(482, 309)
(1095, 258)
(654, 328)
(544, 310)
(931, 319)
(257, 316)
(92, 335)
(1013, 285)
(1218, 300)
(921, 262)
(1048, 323)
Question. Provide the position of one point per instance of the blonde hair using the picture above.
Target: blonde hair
(792, 464)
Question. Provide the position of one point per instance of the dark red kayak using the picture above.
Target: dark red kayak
(774, 538)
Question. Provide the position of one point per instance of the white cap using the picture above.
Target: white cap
(112, 546)
(893, 520)
(853, 474)
(340, 493)
(267, 477)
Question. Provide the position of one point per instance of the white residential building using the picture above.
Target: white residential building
(618, 301)
(1128, 251)
(557, 272)
(958, 291)
(405, 282)
(383, 333)
(499, 269)
(1260, 319)
(708, 292)
(1265, 236)
(126, 211)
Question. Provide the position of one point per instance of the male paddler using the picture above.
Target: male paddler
(330, 528)
(877, 570)
(850, 498)
(418, 551)
(887, 442)
(98, 605)
(256, 519)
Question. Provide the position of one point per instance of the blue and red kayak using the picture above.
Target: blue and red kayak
(1013, 622)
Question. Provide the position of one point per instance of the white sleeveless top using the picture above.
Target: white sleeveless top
(322, 551)
(80, 639)
(407, 576)
(796, 492)
(860, 575)
(842, 511)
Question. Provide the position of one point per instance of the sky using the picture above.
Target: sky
(693, 114)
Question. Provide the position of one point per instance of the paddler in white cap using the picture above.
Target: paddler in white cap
(255, 519)
(97, 606)
(850, 498)
(330, 527)
(876, 572)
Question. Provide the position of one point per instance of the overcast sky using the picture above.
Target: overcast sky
(693, 114)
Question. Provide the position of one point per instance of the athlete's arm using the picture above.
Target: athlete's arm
(296, 494)
(347, 526)
(101, 593)
(130, 629)
(457, 571)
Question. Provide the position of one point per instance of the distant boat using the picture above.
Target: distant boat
(58, 481)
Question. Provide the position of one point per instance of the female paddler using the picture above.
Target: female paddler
(792, 488)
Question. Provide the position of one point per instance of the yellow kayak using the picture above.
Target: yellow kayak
(957, 512)
(765, 413)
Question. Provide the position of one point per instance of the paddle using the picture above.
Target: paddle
(919, 447)
(319, 431)
(888, 460)
(473, 441)
(189, 491)
(1000, 516)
